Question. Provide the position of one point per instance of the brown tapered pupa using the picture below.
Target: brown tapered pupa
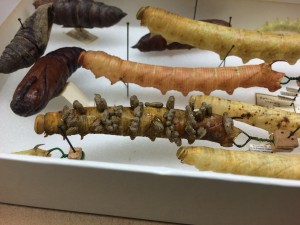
(85, 13)
(30, 41)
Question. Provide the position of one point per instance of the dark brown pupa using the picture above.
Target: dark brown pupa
(45, 80)
(85, 13)
(30, 41)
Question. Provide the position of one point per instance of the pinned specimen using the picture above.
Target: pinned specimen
(249, 44)
(45, 80)
(241, 162)
(85, 13)
(36, 151)
(180, 79)
(138, 120)
(266, 118)
(30, 41)
(155, 42)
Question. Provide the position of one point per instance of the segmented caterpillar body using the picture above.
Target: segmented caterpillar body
(184, 80)
(140, 120)
(151, 42)
(258, 116)
(281, 26)
(240, 162)
(30, 41)
(248, 44)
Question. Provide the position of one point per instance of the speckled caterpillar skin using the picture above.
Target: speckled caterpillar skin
(151, 42)
(85, 13)
(184, 80)
(48, 124)
(29, 42)
(248, 44)
(281, 26)
(241, 162)
(265, 118)
(44, 81)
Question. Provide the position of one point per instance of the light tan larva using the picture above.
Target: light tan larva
(258, 116)
(249, 44)
(184, 80)
(241, 162)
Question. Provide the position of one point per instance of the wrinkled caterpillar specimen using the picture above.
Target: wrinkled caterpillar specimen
(281, 26)
(85, 13)
(151, 42)
(139, 120)
(258, 116)
(184, 80)
(29, 43)
(44, 81)
(248, 44)
(243, 163)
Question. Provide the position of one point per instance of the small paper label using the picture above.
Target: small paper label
(260, 148)
(275, 102)
(82, 35)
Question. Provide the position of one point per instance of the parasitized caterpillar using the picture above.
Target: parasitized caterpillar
(44, 81)
(266, 118)
(30, 41)
(150, 42)
(184, 80)
(85, 13)
(148, 120)
(243, 163)
(248, 44)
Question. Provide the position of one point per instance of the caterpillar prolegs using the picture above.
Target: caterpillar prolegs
(281, 26)
(248, 44)
(183, 80)
(150, 42)
(149, 120)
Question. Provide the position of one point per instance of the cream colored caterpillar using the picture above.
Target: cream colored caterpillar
(240, 162)
(248, 44)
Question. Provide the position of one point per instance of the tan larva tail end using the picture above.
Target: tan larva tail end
(39, 124)
(139, 14)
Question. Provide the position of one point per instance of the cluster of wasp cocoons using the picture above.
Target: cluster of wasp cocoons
(151, 120)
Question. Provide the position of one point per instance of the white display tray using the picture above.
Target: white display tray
(141, 178)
